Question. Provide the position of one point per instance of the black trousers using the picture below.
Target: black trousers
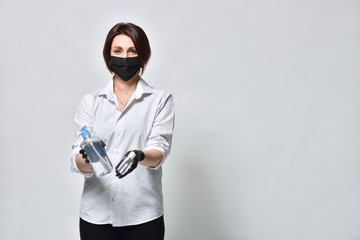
(154, 230)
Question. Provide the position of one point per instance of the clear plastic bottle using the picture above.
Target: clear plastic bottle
(125, 164)
(94, 148)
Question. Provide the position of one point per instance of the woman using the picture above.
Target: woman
(126, 114)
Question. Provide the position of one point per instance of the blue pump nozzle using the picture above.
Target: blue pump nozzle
(85, 133)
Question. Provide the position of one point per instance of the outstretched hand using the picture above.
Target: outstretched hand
(129, 162)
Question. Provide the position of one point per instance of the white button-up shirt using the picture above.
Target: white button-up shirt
(147, 122)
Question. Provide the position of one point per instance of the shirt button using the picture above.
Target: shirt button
(116, 152)
(118, 134)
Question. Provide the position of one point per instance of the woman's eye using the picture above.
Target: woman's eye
(117, 51)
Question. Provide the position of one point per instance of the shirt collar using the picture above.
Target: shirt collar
(107, 91)
(141, 88)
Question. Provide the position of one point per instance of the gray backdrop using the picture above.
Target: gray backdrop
(266, 144)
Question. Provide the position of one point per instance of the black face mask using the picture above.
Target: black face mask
(126, 68)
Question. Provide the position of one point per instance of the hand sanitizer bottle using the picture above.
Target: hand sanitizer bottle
(94, 148)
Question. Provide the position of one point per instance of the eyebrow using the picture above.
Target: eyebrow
(121, 47)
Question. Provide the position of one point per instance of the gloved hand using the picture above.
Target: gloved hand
(84, 155)
(129, 162)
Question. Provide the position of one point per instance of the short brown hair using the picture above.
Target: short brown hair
(137, 35)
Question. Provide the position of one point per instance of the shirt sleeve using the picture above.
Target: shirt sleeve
(83, 116)
(161, 133)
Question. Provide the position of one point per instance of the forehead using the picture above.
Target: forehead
(122, 41)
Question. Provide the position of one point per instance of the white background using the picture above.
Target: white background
(267, 93)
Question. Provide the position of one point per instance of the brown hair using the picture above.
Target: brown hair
(137, 35)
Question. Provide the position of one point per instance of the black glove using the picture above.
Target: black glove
(129, 162)
(84, 155)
